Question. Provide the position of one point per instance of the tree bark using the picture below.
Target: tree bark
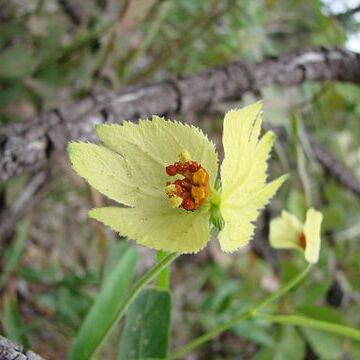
(27, 199)
(12, 351)
(335, 168)
(26, 147)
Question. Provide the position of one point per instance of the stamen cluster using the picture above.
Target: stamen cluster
(191, 191)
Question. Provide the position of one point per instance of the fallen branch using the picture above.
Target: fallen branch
(12, 351)
(335, 168)
(27, 146)
(27, 198)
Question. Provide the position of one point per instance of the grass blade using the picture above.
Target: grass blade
(104, 312)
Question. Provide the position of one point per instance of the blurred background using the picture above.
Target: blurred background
(52, 257)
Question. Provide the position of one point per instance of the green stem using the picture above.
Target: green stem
(283, 290)
(241, 316)
(163, 279)
(312, 323)
(141, 283)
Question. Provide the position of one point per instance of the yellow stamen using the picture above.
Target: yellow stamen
(175, 201)
(170, 190)
(185, 156)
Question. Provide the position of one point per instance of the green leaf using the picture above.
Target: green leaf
(16, 62)
(220, 300)
(327, 346)
(291, 346)
(147, 327)
(314, 293)
(104, 312)
(354, 350)
(15, 252)
(263, 354)
(256, 331)
(13, 92)
(13, 327)
(116, 251)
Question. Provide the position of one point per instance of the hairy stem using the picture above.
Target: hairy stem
(312, 323)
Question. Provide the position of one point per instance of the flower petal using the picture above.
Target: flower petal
(158, 143)
(243, 175)
(172, 230)
(244, 156)
(284, 231)
(239, 214)
(107, 172)
(312, 230)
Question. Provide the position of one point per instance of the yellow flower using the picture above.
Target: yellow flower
(164, 173)
(287, 232)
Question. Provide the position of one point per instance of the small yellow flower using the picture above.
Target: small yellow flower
(164, 174)
(287, 232)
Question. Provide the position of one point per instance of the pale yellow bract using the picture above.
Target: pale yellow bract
(129, 167)
(286, 232)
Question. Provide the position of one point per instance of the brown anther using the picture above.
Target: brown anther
(185, 184)
(188, 204)
(171, 170)
(193, 166)
(302, 240)
(179, 167)
(179, 190)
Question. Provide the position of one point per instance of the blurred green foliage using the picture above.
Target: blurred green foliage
(47, 57)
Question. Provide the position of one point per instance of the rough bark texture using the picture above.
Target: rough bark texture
(27, 199)
(26, 147)
(12, 351)
(335, 168)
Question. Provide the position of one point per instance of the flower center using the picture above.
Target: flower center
(302, 240)
(190, 191)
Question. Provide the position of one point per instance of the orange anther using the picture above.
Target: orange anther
(198, 193)
(200, 177)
